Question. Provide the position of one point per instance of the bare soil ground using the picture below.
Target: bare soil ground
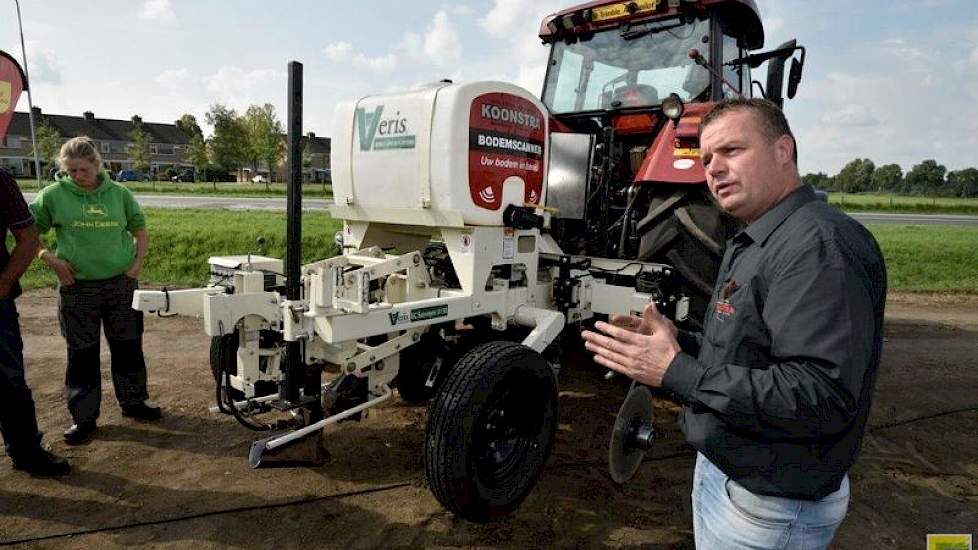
(184, 481)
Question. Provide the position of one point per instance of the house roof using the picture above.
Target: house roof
(318, 145)
(99, 128)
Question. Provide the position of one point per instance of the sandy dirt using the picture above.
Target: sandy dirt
(184, 481)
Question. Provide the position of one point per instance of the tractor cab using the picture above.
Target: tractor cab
(627, 85)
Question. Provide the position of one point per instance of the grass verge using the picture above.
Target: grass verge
(882, 202)
(920, 259)
(310, 190)
(182, 240)
(930, 258)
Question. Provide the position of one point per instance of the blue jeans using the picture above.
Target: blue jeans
(728, 516)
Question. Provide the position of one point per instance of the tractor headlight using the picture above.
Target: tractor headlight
(673, 107)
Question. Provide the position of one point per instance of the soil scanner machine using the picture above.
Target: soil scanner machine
(482, 226)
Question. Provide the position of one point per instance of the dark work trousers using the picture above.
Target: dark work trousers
(83, 308)
(18, 424)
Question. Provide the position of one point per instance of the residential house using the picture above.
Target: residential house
(168, 144)
(317, 171)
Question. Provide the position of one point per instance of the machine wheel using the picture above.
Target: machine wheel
(416, 365)
(686, 229)
(223, 351)
(490, 430)
(223, 357)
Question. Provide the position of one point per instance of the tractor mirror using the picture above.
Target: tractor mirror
(775, 71)
(794, 77)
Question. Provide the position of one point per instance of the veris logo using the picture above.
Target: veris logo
(377, 133)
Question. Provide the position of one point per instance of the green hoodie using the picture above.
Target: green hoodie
(93, 228)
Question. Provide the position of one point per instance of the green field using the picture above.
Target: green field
(182, 240)
(942, 259)
(871, 202)
(930, 258)
(311, 190)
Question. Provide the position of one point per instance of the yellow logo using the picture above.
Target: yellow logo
(95, 211)
(949, 542)
(5, 96)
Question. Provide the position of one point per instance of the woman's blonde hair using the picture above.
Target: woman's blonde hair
(81, 147)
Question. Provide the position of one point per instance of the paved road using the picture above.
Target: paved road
(278, 203)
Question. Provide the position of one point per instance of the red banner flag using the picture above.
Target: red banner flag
(12, 83)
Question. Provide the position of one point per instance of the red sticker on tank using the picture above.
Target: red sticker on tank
(506, 138)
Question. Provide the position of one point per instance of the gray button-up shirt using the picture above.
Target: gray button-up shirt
(777, 388)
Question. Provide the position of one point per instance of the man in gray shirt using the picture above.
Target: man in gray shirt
(776, 390)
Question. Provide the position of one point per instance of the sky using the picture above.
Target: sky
(894, 81)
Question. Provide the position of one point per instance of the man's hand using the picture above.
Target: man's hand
(641, 348)
(64, 270)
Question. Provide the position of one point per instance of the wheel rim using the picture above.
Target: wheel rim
(504, 436)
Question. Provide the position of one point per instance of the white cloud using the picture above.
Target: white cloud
(503, 16)
(44, 65)
(441, 44)
(851, 115)
(238, 88)
(342, 52)
(158, 10)
(173, 77)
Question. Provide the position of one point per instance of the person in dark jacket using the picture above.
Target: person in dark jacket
(776, 390)
(18, 422)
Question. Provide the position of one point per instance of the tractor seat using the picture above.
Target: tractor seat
(637, 95)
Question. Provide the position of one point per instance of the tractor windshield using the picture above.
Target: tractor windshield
(635, 66)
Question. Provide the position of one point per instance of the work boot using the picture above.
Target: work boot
(80, 432)
(142, 411)
(41, 462)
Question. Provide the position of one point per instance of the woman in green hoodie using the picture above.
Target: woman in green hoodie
(101, 244)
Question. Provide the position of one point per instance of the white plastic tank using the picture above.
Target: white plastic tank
(462, 150)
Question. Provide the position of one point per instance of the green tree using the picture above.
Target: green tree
(264, 137)
(887, 178)
(140, 152)
(856, 176)
(49, 141)
(818, 181)
(926, 178)
(963, 183)
(197, 154)
(188, 125)
(229, 143)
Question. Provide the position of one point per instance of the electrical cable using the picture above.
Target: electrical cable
(199, 515)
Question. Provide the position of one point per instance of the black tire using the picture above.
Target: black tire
(490, 429)
(416, 364)
(686, 229)
(223, 356)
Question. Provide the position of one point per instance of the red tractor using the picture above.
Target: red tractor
(627, 84)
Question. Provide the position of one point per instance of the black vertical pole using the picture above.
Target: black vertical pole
(293, 235)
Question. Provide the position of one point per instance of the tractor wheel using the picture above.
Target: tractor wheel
(686, 229)
(416, 365)
(490, 429)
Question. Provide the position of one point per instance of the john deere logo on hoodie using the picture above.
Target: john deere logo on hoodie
(95, 211)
